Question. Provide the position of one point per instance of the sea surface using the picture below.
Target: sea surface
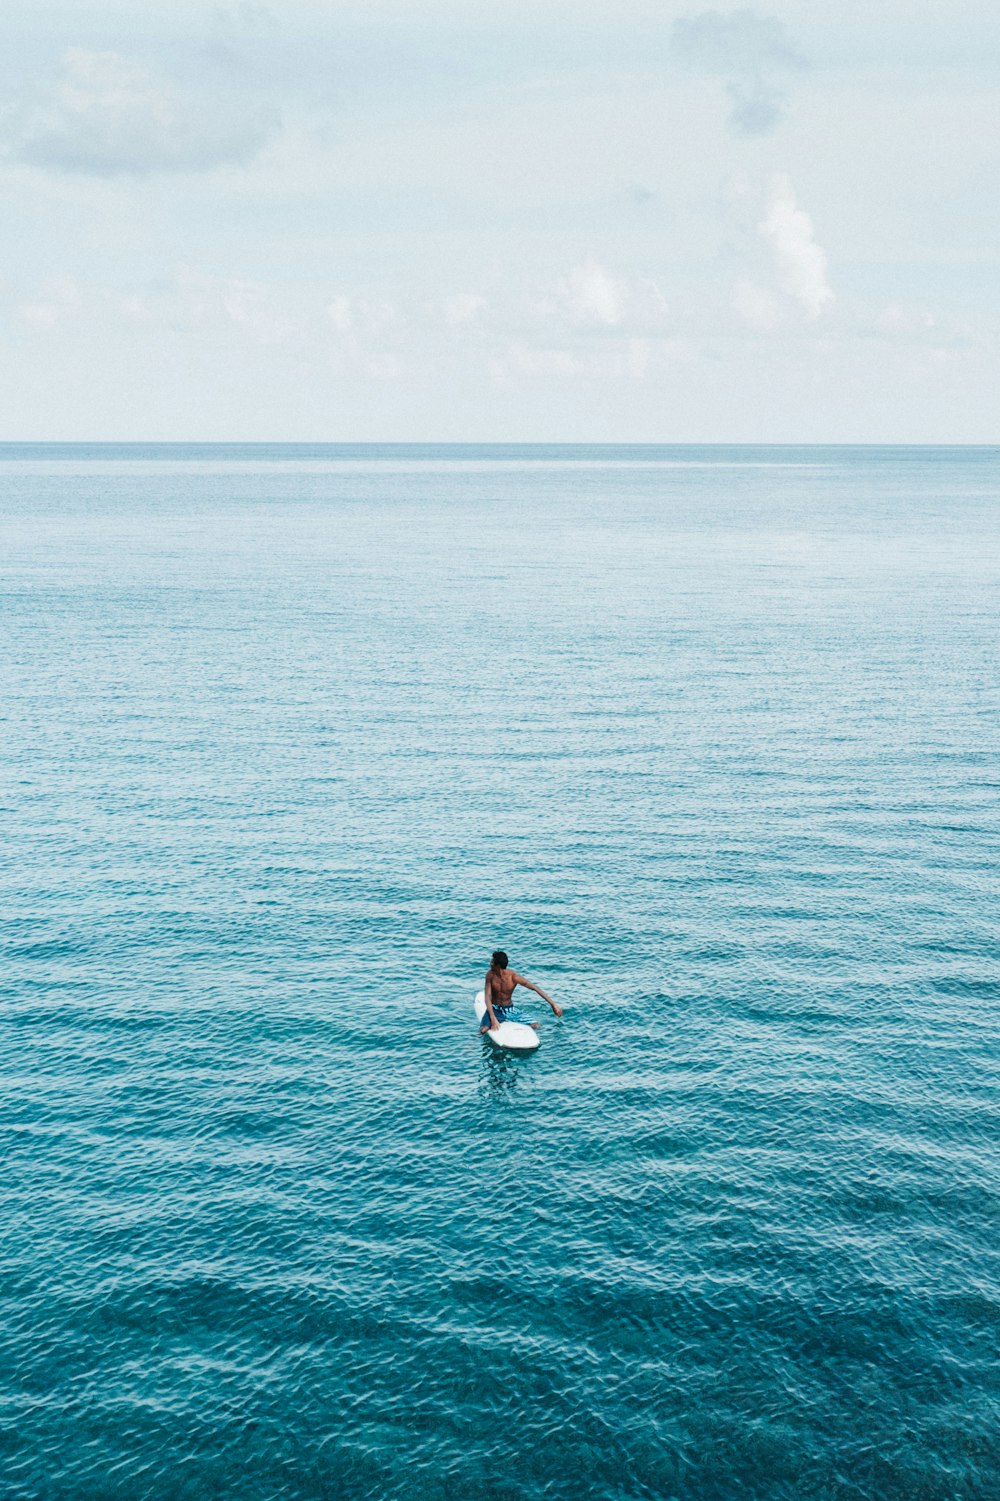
(293, 737)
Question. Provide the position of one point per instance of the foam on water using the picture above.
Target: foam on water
(707, 739)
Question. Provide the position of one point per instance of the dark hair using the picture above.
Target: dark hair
(499, 959)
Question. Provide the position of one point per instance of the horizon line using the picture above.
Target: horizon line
(438, 444)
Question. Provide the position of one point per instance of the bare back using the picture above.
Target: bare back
(499, 986)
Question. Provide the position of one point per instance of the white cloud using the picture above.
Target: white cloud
(43, 316)
(132, 306)
(243, 17)
(207, 300)
(109, 117)
(235, 313)
(340, 313)
(908, 322)
(800, 262)
(594, 300)
(463, 308)
(59, 301)
(751, 52)
(592, 296)
(528, 360)
(383, 366)
(903, 323)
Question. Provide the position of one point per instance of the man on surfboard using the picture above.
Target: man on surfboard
(498, 989)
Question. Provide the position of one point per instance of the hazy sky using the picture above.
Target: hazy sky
(419, 219)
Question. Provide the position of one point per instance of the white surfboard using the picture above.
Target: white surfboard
(517, 1036)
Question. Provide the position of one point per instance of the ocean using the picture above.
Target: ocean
(707, 739)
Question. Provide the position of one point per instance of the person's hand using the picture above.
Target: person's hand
(557, 1010)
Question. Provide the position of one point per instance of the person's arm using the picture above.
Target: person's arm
(530, 985)
(487, 995)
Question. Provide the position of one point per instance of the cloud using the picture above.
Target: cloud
(621, 358)
(383, 366)
(463, 308)
(524, 359)
(901, 323)
(756, 307)
(593, 296)
(757, 106)
(800, 262)
(108, 117)
(596, 326)
(753, 53)
(214, 308)
(237, 34)
(58, 304)
(246, 16)
(340, 313)
(203, 300)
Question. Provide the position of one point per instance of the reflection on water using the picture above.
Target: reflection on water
(502, 1071)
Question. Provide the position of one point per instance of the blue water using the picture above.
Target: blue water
(292, 739)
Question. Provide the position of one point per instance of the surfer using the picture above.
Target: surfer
(498, 989)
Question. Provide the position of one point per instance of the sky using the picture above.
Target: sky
(563, 220)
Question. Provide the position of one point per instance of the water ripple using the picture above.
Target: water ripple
(290, 742)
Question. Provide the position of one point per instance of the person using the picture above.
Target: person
(498, 990)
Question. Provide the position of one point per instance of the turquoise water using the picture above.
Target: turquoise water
(708, 740)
